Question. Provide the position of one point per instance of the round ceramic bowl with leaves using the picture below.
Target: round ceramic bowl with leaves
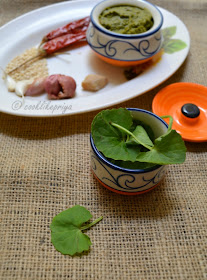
(130, 149)
(117, 42)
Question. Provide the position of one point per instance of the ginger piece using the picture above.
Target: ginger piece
(94, 82)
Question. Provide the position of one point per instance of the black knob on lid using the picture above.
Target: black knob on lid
(190, 110)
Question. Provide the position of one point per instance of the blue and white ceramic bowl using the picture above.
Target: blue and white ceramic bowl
(125, 49)
(129, 181)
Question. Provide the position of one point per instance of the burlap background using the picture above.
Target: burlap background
(45, 169)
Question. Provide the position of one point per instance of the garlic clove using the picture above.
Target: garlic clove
(22, 86)
(10, 83)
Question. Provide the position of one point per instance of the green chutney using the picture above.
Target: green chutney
(126, 19)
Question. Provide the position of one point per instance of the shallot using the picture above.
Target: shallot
(60, 86)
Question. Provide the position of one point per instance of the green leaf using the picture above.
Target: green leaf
(168, 149)
(174, 45)
(142, 135)
(108, 139)
(147, 128)
(130, 144)
(66, 230)
(168, 32)
(132, 165)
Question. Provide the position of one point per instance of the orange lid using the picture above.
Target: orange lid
(187, 104)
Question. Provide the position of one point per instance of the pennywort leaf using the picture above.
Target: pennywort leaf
(170, 45)
(126, 143)
(136, 138)
(132, 165)
(67, 230)
(173, 45)
(110, 140)
(141, 134)
(168, 149)
(168, 32)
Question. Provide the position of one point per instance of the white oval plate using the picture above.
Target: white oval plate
(27, 31)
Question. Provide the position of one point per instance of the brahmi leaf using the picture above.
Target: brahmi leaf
(173, 45)
(168, 32)
(140, 133)
(132, 165)
(146, 127)
(111, 141)
(168, 149)
(66, 230)
(120, 116)
(115, 135)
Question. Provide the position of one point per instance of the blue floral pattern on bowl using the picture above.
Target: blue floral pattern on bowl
(128, 181)
(117, 48)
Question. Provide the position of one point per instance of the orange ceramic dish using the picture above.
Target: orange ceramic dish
(121, 63)
(170, 100)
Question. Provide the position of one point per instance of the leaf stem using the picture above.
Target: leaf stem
(170, 123)
(130, 133)
(91, 224)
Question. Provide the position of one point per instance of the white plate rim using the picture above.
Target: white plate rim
(98, 101)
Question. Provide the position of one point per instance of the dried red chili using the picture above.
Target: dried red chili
(72, 27)
(61, 42)
(61, 38)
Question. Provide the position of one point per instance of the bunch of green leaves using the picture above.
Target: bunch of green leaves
(129, 143)
(171, 45)
(67, 230)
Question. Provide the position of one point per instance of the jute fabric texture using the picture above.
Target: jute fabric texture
(45, 169)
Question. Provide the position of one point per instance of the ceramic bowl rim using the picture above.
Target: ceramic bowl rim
(116, 167)
(127, 36)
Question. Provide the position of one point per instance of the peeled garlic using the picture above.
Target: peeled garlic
(18, 87)
(22, 86)
(10, 82)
